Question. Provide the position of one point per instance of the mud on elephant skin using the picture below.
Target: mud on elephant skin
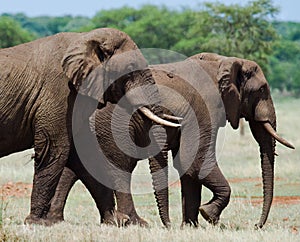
(241, 86)
(40, 81)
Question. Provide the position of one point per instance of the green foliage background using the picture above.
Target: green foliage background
(247, 31)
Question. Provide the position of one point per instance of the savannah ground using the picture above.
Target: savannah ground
(239, 160)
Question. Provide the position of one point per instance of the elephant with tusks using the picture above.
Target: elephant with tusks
(204, 90)
(50, 87)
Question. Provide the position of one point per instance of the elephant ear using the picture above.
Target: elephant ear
(227, 78)
(84, 60)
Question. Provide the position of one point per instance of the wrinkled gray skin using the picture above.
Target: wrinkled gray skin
(39, 82)
(245, 94)
(139, 132)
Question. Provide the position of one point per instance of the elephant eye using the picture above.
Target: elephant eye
(263, 89)
(248, 75)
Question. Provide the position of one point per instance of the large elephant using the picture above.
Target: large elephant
(221, 88)
(41, 82)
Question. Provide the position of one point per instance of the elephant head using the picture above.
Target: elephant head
(106, 64)
(246, 94)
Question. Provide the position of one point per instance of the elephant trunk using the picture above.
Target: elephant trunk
(159, 172)
(267, 154)
(267, 165)
(143, 94)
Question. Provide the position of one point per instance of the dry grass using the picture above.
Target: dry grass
(239, 160)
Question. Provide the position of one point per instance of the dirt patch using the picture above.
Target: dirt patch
(250, 179)
(257, 180)
(295, 229)
(175, 184)
(277, 200)
(18, 189)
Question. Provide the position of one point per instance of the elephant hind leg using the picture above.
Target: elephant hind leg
(49, 163)
(66, 182)
(51, 147)
(216, 182)
(102, 195)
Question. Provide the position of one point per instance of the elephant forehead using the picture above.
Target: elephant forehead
(124, 58)
(255, 83)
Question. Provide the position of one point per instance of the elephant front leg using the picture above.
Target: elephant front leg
(216, 182)
(191, 198)
(125, 205)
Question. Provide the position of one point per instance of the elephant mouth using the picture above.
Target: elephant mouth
(268, 127)
(144, 97)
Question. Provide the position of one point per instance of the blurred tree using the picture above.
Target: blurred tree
(11, 33)
(288, 30)
(242, 30)
(76, 24)
(284, 71)
(233, 30)
(149, 26)
(55, 25)
(44, 25)
(116, 18)
(155, 28)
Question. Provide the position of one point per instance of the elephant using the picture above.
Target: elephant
(41, 82)
(125, 164)
(205, 90)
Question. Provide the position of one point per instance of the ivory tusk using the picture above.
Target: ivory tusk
(273, 133)
(157, 119)
(170, 117)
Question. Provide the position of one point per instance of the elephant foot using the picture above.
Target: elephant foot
(111, 222)
(115, 219)
(210, 213)
(58, 217)
(125, 220)
(31, 219)
(189, 223)
(137, 220)
(121, 218)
